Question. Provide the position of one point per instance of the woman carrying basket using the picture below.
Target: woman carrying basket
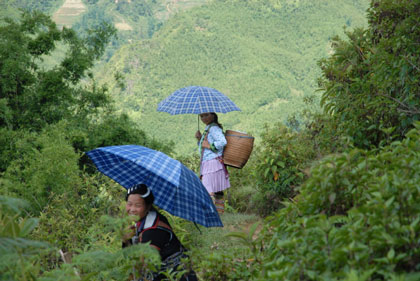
(213, 172)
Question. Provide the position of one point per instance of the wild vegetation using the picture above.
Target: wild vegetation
(337, 189)
(48, 119)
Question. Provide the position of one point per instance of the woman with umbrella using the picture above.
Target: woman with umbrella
(213, 172)
(153, 178)
(205, 101)
(153, 227)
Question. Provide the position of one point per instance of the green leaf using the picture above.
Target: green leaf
(241, 235)
(28, 226)
(252, 230)
(281, 164)
(389, 201)
(391, 254)
(267, 170)
(273, 169)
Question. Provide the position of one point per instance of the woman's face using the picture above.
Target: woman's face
(207, 118)
(136, 206)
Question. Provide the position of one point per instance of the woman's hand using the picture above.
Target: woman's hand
(198, 135)
(205, 144)
(128, 233)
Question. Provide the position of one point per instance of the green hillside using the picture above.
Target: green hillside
(133, 19)
(263, 55)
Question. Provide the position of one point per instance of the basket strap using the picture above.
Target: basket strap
(220, 158)
(204, 137)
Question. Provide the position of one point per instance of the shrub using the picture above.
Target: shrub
(376, 232)
(370, 83)
(18, 252)
(280, 163)
(47, 166)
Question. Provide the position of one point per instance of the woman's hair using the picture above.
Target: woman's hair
(143, 191)
(216, 120)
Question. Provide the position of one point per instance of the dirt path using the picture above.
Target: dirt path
(246, 227)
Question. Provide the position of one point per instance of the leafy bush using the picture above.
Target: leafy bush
(18, 252)
(103, 263)
(232, 255)
(191, 161)
(71, 220)
(279, 165)
(47, 166)
(356, 216)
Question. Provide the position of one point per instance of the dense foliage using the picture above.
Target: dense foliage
(371, 82)
(356, 217)
(280, 166)
(33, 96)
(49, 116)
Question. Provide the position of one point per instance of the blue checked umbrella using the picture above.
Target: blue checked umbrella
(196, 100)
(176, 188)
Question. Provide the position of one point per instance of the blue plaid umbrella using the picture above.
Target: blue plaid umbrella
(176, 188)
(196, 100)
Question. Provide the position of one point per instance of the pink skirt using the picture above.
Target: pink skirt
(214, 177)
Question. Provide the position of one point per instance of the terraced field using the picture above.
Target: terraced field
(70, 11)
(67, 14)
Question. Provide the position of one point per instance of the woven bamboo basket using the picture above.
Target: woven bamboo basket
(238, 149)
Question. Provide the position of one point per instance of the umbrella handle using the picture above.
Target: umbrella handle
(198, 121)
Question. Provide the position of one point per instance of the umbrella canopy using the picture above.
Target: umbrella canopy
(176, 188)
(196, 100)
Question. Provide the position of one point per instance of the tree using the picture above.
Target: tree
(371, 82)
(32, 95)
(50, 115)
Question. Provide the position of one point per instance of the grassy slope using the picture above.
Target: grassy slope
(262, 57)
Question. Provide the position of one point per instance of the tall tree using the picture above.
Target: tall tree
(32, 95)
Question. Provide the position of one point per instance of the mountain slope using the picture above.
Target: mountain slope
(263, 55)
